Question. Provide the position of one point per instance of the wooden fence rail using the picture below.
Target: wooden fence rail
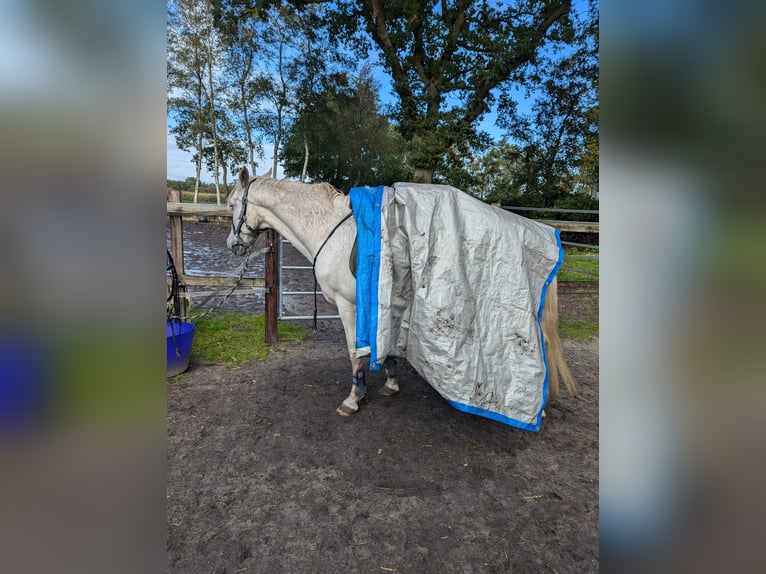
(270, 283)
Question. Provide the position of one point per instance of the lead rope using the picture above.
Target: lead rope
(238, 274)
(174, 314)
(314, 264)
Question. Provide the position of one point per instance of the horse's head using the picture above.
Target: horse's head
(247, 220)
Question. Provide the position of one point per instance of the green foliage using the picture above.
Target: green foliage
(231, 338)
(185, 185)
(577, 201)
(288, 78)
(231, 153)
(486, 173)
(497, 173)
(449, 62)
(349, 142)
(559, 137)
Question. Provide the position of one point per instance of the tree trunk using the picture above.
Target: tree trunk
(212, 117)
(423, 175)
(305, 159)
(277, 142)
(281, 98)
(199, 168)
(245, 74)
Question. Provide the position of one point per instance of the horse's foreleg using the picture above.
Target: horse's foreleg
(358, 384)
(358, 388)
(392, 385)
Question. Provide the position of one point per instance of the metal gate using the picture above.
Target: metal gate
(280, 304)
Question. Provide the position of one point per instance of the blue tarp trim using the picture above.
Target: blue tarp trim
(366, 203)
(509, 420)
(495, 416)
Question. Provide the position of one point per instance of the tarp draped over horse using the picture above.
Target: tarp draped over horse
(457, 287)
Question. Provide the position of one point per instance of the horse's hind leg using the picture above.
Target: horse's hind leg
(392, 385)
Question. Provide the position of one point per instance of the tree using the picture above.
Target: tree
(290, 59)
(487, 173)
(449, 61)
(351, 142)
(588, 163)
(559, 138)
(214, 49)
(186, 69)
(230, 148)
(237, 22)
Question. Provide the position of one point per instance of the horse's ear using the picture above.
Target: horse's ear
(267, 174)
(244, 176)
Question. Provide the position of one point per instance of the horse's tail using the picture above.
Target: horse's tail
(557, 366)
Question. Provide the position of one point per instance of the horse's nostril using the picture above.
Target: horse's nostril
(239, 249)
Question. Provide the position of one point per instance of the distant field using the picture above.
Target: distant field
(203, 197)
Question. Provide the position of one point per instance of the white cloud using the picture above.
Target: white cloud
(180, 164)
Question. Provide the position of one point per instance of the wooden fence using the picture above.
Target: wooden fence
(590, 227)
(270, 283)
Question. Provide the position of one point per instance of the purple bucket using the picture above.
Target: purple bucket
(180, 336)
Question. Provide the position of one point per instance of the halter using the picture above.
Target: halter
(243, 220)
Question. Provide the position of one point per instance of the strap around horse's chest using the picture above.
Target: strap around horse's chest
(314, 263)
(352, 259)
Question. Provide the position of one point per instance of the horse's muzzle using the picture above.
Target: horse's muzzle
(238, 249)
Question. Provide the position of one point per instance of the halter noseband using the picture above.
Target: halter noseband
(243, 219)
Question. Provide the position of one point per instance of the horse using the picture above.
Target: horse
(314, 217)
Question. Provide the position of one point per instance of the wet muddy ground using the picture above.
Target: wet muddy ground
(263, 476)
(205, 253)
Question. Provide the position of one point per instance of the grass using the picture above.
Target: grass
(582, 330)
(231, 338)
(589, 265)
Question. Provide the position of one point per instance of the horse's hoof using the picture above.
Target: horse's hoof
(350, 405)
(389, 389)
(345, 411)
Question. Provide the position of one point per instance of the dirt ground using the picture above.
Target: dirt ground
(264, 476)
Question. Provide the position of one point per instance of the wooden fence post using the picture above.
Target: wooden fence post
(177, 251)
(272, 286)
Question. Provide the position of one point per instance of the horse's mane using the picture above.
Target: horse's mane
(323, 189)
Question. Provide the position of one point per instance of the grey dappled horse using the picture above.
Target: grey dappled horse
(311, 217)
